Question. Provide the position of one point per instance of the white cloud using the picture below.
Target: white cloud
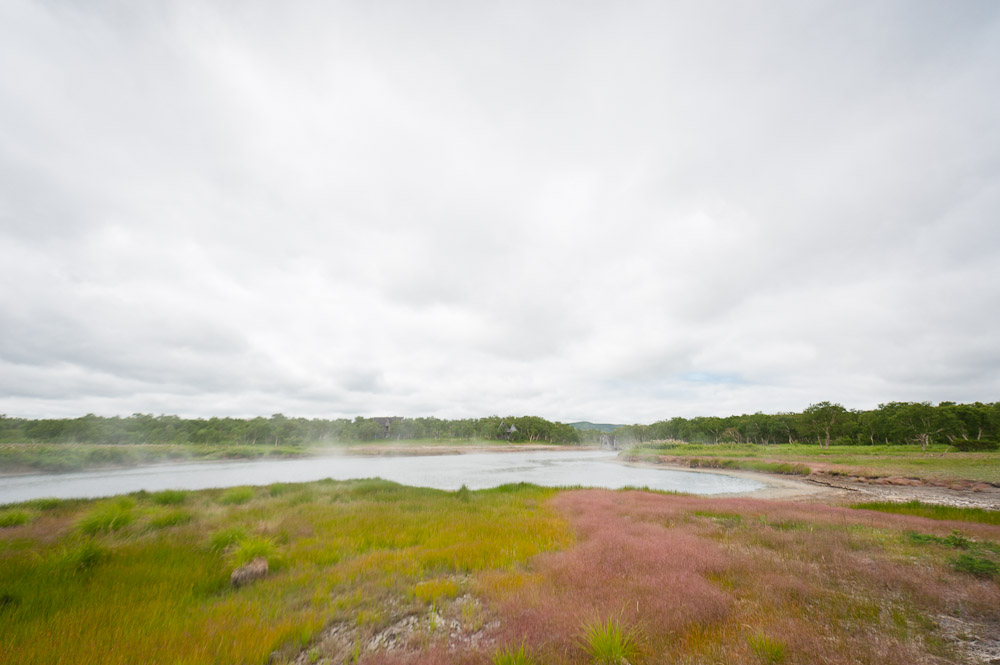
(617, 214)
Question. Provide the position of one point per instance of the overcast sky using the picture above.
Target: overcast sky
(619, 212)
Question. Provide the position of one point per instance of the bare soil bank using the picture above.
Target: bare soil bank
(839, 490)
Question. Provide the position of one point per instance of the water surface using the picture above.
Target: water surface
(447, 472)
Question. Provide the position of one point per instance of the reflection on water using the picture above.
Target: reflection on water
(448, 472)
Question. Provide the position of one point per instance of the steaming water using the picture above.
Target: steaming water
(447, 472)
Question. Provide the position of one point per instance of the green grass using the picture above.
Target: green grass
(933, 511)
(939, 463)
(977, 565)
(767, 649)
(508, 656)
(237, 496)
(980, 558)
(116, 580)
(169, 518)
(169, 497)
(609, 643)
(107, 516)
(14, 517)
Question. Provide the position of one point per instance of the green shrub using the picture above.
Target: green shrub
(976, 565)
(954, 539)
(975, 445)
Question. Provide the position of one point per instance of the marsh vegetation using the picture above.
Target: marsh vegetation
(374, 572)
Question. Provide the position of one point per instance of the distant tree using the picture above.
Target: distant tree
(822, 419)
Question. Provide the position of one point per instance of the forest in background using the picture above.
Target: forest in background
(824, 423)
(278, 430)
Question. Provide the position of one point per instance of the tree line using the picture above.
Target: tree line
(825, 423)
(277, 430)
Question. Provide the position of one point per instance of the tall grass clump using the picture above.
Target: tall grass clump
(170, 518)
(609, 643)
(767, 649)
(251, 547)
(169, 497)
(277, 489)
(79, 558)
(47, 503)
(237, 496)
(223, 540)
(9, 518)
(108, 517)
(435, 590)
(508, 656)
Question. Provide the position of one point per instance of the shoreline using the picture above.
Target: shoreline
(817, 487)
(782, 488)
(838, 491)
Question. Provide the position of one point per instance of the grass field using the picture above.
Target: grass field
(938, 463)
(373, 572)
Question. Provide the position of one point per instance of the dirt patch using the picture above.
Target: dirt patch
(980, 642)
(460, 625)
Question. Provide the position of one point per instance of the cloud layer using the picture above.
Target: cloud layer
(590, 212)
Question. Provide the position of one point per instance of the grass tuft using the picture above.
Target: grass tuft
(169, 497)
(80, 558)
(47, 503)
(508, 656)
(107, 517)
(237, 496)
(277, 489)
(251, 547)
(767, 649)
(610, 644)
(170, 518)
(9, 518)
(435, 590)
(224, 540)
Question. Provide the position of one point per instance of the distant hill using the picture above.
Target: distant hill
(603, 427)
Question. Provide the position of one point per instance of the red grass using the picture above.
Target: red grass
(811, 576)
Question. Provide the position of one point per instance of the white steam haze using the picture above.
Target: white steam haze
(618, 212)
